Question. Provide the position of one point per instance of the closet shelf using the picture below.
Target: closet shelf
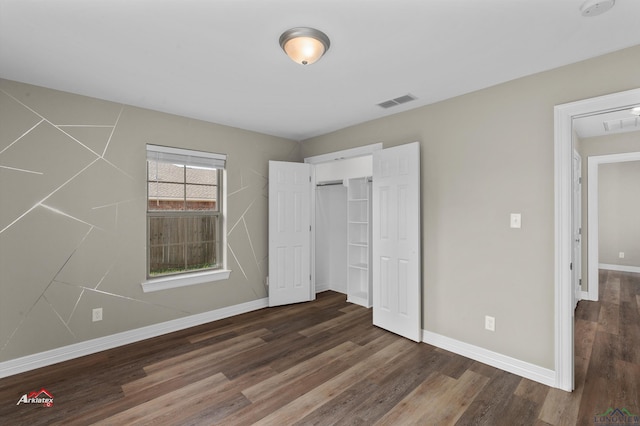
(358, 234)
(359, 266)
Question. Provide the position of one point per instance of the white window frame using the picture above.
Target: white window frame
(200, 276)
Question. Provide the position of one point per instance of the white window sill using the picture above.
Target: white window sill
(175, 281)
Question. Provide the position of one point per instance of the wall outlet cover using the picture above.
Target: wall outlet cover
(96, 314)
(516, 220)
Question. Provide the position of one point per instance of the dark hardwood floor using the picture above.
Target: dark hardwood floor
(324, 363)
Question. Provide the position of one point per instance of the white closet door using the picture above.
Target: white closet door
(289, 233)
(397, 296)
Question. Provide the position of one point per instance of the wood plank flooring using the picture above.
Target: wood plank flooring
(323, 363)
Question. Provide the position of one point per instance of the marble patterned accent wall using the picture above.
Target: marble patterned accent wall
(73, 216)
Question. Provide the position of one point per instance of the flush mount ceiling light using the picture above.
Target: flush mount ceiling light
(304, 45)
(596, 7)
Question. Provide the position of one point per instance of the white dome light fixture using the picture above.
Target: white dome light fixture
(596, 7)
(304, 45)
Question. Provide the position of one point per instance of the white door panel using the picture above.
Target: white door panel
(397, 295)
(289, 233)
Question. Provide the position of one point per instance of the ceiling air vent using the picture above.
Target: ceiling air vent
(397, 101)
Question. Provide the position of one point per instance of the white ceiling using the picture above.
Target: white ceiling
(219, 60)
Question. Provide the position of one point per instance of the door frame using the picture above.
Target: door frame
(577, 218)
(593, 211)
(563, 283)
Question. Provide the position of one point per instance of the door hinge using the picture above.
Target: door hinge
(309, 228)
(580, 282)
(571, 266)
(309, 179)
(580, 180)
(580, 231)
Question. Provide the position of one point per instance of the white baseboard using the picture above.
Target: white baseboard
(584, 295)
(322, 287)
(494, 359)
(327, 286)
(620, 268)
(76, 350)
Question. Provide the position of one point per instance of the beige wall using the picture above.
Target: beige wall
(73, 224)
(619, 213)
(485, 155)
(73, 215)
(589, 147)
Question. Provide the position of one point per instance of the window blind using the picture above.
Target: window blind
(186, 157)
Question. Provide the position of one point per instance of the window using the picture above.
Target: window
(185, 216)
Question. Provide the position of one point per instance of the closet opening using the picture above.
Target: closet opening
(343, 228)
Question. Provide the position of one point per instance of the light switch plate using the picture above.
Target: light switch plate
(489, 323)
(516, 220)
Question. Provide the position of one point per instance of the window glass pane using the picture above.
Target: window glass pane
(202, 197)
(201, 234)
(166, 245)
(165, 172)
(166, 196)
(202, 175)
(179, 244)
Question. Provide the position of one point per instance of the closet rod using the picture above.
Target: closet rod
(338, 182)
(327, 183)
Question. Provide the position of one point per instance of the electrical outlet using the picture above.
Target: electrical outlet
(516, 220)
(621, 255)
(97, 314)
(490, 323)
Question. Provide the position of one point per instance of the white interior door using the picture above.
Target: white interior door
(577, 228)
(289, 233)
(397, 296)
